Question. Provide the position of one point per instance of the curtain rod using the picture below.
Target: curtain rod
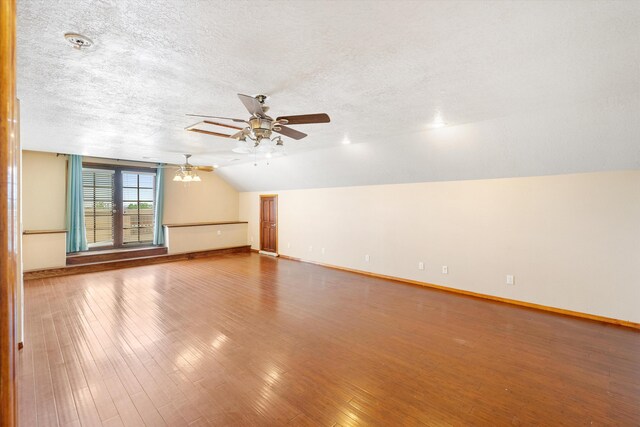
(116, 160)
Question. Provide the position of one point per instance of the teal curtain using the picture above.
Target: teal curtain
(158, 229)
(76, 231)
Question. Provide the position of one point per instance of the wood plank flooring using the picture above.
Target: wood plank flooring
(244, 339)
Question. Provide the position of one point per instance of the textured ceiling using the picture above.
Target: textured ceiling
(527, 87)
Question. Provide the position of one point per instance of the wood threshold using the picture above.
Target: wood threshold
(272, 254)
(27, 232)
(200, 224)
(126, 263)
(529, 305)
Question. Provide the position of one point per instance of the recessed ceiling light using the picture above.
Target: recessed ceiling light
(78, 41)
(438, 122)
(216, 166)
(346, 141)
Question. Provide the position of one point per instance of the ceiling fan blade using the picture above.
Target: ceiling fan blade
(290, 132)
(252, 105)
(306, 119)
(204, 168)
(209, 122)
(217, 117)
(208, 132)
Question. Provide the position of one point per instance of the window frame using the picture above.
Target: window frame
(118, 201)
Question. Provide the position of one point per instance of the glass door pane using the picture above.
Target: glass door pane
(99, 207)
(138, 190)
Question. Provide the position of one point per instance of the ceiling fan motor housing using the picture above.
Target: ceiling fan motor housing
(261, 127)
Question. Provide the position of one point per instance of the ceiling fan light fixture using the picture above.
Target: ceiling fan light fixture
(242, 147)
(266, 148)
(188, 173)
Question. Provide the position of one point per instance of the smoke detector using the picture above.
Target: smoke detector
(78, 41)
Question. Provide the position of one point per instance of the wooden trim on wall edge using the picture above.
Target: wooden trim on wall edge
(126, 263)
(202, 224)
(530, 305)
(33, 232)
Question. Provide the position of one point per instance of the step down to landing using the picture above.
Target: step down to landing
(90, 257)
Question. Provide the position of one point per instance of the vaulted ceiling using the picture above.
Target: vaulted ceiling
(526, 88)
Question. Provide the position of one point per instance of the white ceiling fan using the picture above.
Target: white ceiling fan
(187, 172)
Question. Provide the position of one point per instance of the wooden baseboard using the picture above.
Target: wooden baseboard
(126, 263)
(478, 295)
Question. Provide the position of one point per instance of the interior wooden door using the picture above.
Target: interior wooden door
(269, 223)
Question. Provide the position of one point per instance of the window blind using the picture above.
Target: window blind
(98, 193)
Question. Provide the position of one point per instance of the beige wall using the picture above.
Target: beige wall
(44, 205)
(571, 241)
(43, 191)
(44, 251)
(43, 208)
(203, 238)
(212, 199)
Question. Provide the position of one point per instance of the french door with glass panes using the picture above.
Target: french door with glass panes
(118, 205)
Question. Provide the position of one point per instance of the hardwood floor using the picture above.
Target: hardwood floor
(243, 339)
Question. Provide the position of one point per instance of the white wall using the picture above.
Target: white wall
(572, 241)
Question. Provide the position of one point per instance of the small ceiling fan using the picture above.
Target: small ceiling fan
(260, 126)
(187, 172)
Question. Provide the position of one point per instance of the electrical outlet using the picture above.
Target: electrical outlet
(367, 258)
(310, 248)
(421, 265)
(288, 245)
(322, 251)
(251, 239)
(510, 280)
(219, 232)
(445, 269)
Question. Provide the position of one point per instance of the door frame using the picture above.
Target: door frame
(9, 221)
(275, 198)
(118, 235)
